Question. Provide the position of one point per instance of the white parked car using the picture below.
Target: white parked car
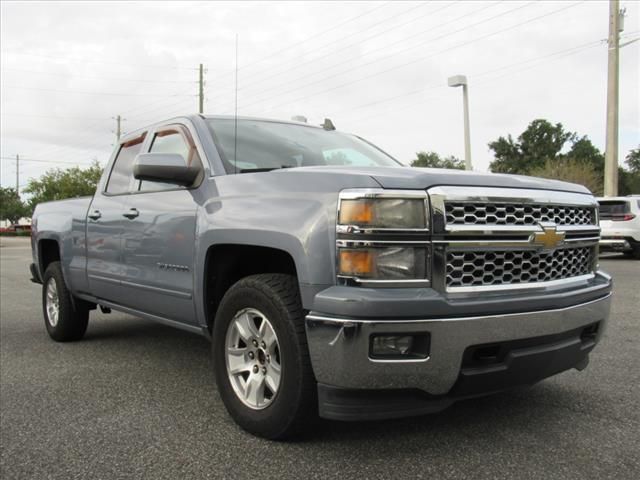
(620, 224)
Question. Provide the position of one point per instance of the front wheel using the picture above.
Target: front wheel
(64, 320)
(261, 360)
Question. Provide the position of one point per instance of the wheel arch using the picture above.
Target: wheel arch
(227, 263)
(48, 252)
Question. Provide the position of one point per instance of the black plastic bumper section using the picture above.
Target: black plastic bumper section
(485, 369)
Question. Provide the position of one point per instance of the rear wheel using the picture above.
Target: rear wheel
(261, 360)
(64, 320)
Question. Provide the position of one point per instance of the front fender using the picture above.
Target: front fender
(292, 212)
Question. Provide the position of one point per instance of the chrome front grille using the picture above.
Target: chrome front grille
(491, 239)
(483, 268)
(466, 213)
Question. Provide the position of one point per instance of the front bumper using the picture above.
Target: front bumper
(617, 244)
(339, 349)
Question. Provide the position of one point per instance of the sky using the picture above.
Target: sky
(377, 69)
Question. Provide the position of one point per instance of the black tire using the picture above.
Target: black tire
(72, 319)
(294, 407)
(635, 252)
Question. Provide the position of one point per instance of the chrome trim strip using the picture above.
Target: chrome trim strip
(365, 282)
(399, 360)
(356, 230)
(522, 286)
(354, 193)
(516, 229)
(342, 243)
(508, 195)
(520, 244)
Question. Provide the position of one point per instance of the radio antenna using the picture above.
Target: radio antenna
(235, 118)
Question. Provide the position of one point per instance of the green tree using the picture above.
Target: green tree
(540, 142)
(633, 160)
(433, 160)
(572, 170)
(11, 206)
(58, 184)
(629, 180)
(584, 151)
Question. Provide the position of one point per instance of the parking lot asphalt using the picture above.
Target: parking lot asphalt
(136, 399)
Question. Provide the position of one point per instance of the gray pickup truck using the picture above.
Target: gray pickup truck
(331, 279)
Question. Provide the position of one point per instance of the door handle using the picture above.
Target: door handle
(95, 215)
(131, 214)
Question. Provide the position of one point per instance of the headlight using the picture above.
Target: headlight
(383, 263)
(387, 210)
(382, 237)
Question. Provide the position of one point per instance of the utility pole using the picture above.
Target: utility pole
(201, 90)
(611, 149)
(118, 130)
(17, 174)
(118, 127)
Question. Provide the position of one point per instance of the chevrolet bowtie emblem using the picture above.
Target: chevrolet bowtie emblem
(549, 238)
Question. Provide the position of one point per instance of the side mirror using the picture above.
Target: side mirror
(164, 167)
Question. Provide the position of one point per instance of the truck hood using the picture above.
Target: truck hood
(422, 178)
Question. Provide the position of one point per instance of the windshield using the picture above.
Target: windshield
(265, 145)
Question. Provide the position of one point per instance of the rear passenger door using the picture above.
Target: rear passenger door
(105, 223)
(158, 241)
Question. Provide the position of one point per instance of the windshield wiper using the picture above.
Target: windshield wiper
(269, 169)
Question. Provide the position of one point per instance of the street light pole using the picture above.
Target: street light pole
(461, 81)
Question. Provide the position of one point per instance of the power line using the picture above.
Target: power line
(39, 160)
(348, 61)
(73, 75)
(5, 114)
(146, 111)
(84, 61)
(298, 43)
(421, 59)
(17, 87)
(88, 133)
(297, 66)
(394, 54)
(491, 81)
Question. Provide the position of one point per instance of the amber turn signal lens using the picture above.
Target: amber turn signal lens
(356, 262)
(356, 212)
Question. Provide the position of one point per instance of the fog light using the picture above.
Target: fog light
(391, 345)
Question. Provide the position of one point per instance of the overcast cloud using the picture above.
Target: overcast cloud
(378, 69)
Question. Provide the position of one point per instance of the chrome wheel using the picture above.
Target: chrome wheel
(52, 302)
(252, 356)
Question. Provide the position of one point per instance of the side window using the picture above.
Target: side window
(121, 175)
(172, 140)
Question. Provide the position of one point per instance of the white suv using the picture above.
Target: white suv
(620, 224)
